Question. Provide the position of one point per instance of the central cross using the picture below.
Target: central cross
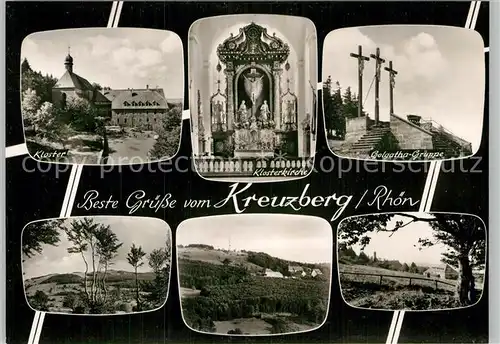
(378, 63)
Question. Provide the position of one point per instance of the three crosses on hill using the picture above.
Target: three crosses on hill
(378, 63)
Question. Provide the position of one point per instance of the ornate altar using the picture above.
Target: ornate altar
(253, 121)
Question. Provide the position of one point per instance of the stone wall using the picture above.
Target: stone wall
(355, 129)
(409, 135)
(145, 119)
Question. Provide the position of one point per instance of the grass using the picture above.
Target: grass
(395, 292)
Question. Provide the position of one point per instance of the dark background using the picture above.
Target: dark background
(38, 195)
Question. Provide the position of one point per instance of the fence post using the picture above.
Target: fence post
(436, 284)
(381, 279)
(410, 281)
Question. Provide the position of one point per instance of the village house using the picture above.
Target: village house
(316, 272)
(441, 271)
(295, 269)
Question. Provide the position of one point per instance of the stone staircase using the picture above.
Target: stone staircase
(369, 140)
(442, 142)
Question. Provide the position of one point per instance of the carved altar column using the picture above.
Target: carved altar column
(205, 102)
(277, 94)
(229, 72)
(301, 106)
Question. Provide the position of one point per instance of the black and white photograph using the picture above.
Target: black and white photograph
(253, 81)
(254, 274)
(404, 92)
(96, 265)
(412, 261)
(102, 96)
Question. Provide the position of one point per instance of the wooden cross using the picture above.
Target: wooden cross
(378, 63)
(361, 64)
(392, 74)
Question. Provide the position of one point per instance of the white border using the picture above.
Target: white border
(102, 30)
(194, 134)
(239, 216)
(416, 310)
(102, 217)
(480, 116)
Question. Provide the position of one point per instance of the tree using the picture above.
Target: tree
(405, 267)
(107, 249)
(29, 106)
(40, 301)
(363, 258)
(413, 267)
(41, 84)
(168, 135)
(102, 244)
(463, 235)
(134, 258)
(40, 233)
(159, 261)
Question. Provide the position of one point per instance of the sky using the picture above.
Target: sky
(119, 58)
(149, 233)
(403, 244)
(291, 237)
(441, 72)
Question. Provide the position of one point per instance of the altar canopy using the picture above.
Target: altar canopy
(260, 92)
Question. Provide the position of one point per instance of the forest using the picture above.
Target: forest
(96, 288)
(338, 106)
(232, 292)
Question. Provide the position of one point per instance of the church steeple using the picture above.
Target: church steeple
(68, 62)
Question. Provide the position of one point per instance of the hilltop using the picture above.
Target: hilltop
(251, 261)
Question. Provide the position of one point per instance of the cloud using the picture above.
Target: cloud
(170, 44)
(102, 45)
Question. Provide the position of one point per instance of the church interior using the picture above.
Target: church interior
(253, 88)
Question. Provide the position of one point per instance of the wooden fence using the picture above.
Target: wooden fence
(381, 276)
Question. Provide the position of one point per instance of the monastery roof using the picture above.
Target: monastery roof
(137, 99)
(73, 80)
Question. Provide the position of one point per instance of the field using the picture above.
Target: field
(62, 290)
(217, 257)
(222, 292)
(395, 290)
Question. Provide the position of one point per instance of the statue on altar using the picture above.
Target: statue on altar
(243, 112)
(264, 112)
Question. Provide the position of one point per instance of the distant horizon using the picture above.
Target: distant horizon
(56, 259)
(294, 238)
(88, 273)
(403, 245)
(247, 250)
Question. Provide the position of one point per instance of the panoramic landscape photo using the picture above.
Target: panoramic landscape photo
(254, 274)
(412, 261)
(102, 96)
(96, 265)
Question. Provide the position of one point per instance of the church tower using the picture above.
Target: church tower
(68, 63)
